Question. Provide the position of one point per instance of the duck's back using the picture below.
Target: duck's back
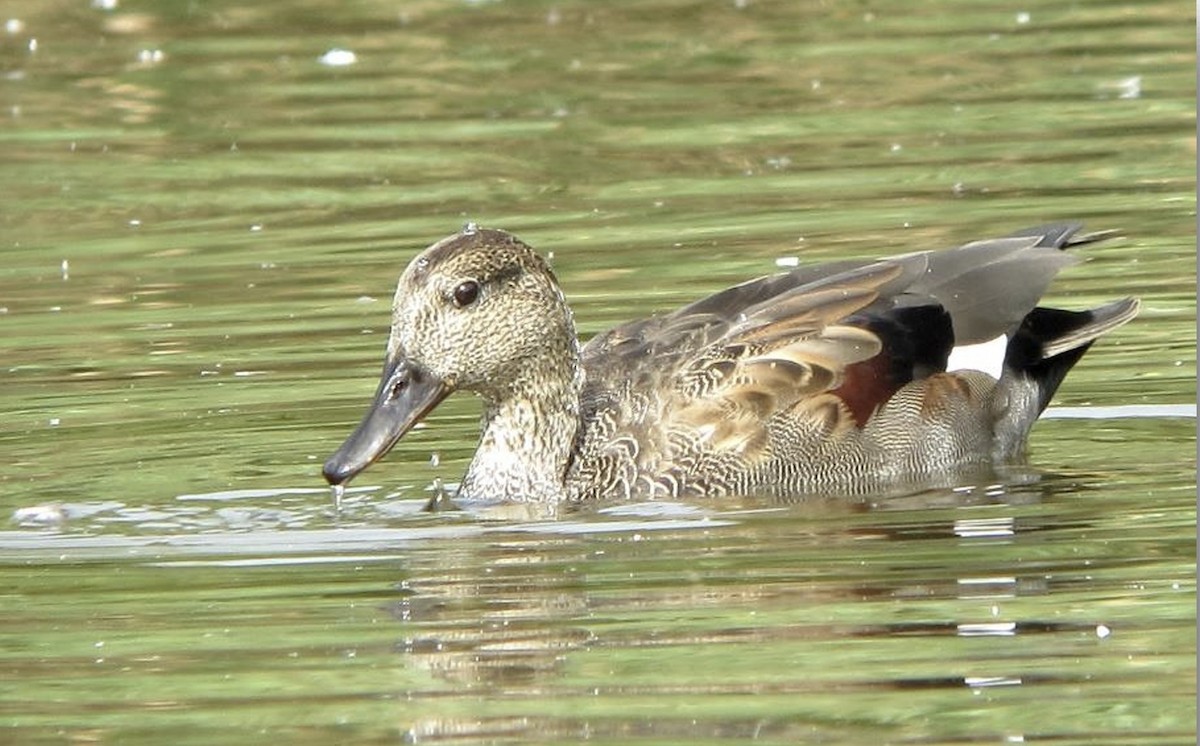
(832, 377)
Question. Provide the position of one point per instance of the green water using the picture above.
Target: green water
(200, 229)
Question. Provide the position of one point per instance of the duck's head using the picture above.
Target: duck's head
(477, 311)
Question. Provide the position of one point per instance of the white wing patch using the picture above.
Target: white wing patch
(987, 357)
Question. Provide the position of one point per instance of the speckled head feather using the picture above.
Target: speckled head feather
(516, 322)
(830, 377)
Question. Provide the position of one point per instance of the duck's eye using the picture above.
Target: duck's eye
(466, 293)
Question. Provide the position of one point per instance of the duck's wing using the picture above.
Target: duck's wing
(842, 338)
(725, 365)
(654, 343)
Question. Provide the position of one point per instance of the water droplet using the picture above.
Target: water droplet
(338, 58)
(470, 228)
(338, 490)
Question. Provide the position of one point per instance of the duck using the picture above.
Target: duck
(835, 377)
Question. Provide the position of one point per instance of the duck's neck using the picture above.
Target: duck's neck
(529, 431)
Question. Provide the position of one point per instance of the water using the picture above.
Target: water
(206, 205)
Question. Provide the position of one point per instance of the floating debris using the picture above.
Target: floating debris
(338, 58)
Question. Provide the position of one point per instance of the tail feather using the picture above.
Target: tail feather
(1046, 346)
(1097, 322)
(1050, 341)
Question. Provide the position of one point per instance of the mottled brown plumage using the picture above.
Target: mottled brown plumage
(830, 377)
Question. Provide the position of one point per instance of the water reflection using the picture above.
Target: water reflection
(521, 613)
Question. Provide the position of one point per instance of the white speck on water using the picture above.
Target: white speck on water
(815, 84)
(787, 261)
(14, 25)
(366, 299)
(897, 147)
(982, 682)
(256, 227)
(104, 4)
(55, 309)
(54, 422)
(1023, 17)
(151, 56)
(1130, 87)
(1103, 631)
(135, 223)
(33, 45)
(987, 629)
(338, 58)
(435, 459)
(66, 269)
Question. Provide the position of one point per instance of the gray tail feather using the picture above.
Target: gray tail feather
(1050, 341)
(1046, 346)
(1063, 235)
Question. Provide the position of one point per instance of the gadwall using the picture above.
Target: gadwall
(824, 378)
